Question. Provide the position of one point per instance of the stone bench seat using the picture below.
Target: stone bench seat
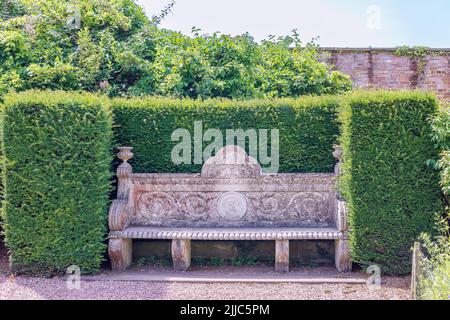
(230, 200)
(170, 233)
(181, 239)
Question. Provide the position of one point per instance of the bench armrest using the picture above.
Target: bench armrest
(118, 217)
(342, 216)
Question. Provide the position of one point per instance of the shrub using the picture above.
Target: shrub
(288, 69)
(434, 283)
(56, 148)
(392, 193)
(308, 128)
(42, 45)
(441, 136)
(219, 65)
(111, 46)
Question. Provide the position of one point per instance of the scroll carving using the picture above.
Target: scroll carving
(245, 208)
(118, 216)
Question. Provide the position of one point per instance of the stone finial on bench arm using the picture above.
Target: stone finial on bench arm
(117, 217)
(123, 172)
(337, 153)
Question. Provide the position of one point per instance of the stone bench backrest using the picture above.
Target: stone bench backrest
(231, 191)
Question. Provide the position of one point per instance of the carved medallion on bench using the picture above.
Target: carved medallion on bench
(230, 200)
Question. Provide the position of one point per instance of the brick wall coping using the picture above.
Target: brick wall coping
(380, 49)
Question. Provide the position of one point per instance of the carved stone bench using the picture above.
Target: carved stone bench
(230, 200)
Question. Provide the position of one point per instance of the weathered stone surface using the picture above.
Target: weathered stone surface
(120, 253)
(181, 254)
(118, 217)
(228, 195)
(342, 255)
(231, 162)
(228, 209)
(282, 255)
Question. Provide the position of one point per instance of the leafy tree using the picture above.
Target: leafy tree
(219, 65)
(84, 46)
(205, 66)
(289, 69)
(111, 46)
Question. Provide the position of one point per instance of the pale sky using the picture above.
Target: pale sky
(343, 23)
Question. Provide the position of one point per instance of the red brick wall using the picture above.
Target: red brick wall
(382, 68)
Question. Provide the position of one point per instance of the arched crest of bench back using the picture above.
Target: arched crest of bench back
(231, 162)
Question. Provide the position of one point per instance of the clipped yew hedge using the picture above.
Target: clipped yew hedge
(57, 160)
(308, 128)
(392, 193)
(56, 149)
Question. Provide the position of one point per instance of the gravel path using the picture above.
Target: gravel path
(56, 288)
(18, 288)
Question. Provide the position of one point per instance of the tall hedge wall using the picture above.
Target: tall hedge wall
(392, 193)
(56, 149)
(308, 128)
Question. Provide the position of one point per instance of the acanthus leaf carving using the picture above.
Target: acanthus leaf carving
(289, 208)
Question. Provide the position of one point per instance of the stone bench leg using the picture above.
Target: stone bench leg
(282, 255)
(181, 254)
(120, 253)
(342, 255)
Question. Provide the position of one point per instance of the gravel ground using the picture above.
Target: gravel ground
(39, 288)
(21, 287)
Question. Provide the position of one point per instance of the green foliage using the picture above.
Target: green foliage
(289, 70)
(412, 52)
(308, 128)
(56, 149)
(47, 48)
(205, 66)
(441, 136)
(111, 46)
(219, 65)
(247, 260)
(9, 9)
(236, 261)
(214, 261)
(154, 261)
(157, 19)
(392, 193)
(434, 282)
